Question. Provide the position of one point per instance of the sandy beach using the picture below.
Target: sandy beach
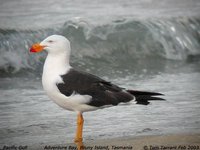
(160, 142)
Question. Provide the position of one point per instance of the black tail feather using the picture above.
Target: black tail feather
(143, 97)
(143, 93)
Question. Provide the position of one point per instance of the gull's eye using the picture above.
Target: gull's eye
(50, 41)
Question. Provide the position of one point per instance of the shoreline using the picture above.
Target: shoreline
(150, 142)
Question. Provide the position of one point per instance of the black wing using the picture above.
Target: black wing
(102, 92)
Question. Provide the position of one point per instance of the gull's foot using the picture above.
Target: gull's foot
(78, 140)
(79, 143)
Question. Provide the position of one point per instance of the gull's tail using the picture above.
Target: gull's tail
(143, 97)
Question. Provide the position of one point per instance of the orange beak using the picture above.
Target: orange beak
(36, 48)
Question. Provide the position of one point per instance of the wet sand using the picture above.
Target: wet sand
(161, 142)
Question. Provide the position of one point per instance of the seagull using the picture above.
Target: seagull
(80, 91)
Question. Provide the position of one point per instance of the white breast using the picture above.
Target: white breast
(52, 70)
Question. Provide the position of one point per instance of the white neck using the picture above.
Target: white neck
(56, 64)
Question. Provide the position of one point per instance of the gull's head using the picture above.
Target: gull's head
(52, 44)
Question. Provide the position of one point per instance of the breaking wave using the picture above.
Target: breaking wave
(119, 42)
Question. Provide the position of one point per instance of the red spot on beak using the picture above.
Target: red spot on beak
(36, 48)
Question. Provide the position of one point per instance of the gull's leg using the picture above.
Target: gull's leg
(79, 129)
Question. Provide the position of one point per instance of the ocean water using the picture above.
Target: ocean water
(147, 45)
